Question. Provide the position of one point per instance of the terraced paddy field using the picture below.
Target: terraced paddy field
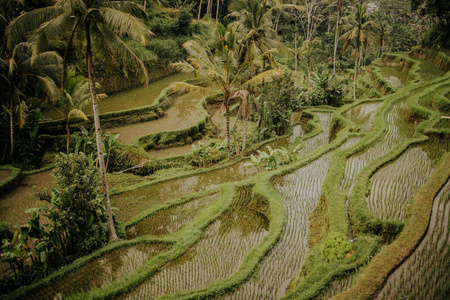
(136, 97)
(234, 231)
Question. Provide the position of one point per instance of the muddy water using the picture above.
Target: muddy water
(132, 203)
(4, 174)
(170, 220)
(397, 131)
(426, 271)
(218, 254)
(182, 114)
(363, 115)
(300, 191)
(319, 140)
(14, 204)
(137, 97)
(393, 186)
(174, 151)
(395, 77)
(102, 271)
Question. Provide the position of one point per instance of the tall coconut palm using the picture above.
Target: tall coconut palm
(254, 24)
(307, 50)
(221, 69)
(358, 30)
(339, 8)
(15, 71)
(89, 24)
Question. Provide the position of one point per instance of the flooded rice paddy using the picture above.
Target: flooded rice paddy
(425, 274)
(101, 271)
(393, 186)
(219, 253)
(182, 114)
(136, 97)
(394, 76)
(171, 219)
(363, 115)
(227, 240)
(14, 204)
(398, 130)
(132, 203)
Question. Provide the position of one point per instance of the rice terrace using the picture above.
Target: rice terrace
(235, 149)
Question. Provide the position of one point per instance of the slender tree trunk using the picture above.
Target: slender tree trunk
(227, 110)
(66, 52)
(199, 9)
(237, 117)
(335, 43)
(354, 78)
(295, 53)
(98, 136)
(244, 140)
(209, 8)
(217, 12)
(308, 67)
(11, 125)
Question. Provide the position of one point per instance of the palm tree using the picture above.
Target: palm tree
(15, 71)
(307, 49)
(221, 69)
(88, 24)
(254, 23)
(383, 31)
(339, 8)
(360, 31)
(72, 99)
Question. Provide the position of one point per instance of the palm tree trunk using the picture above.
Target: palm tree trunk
(199, 9)
(98, 136)
(244, 140)
(335, 43)
(295, 53)
(217, 11)
(354, 78)
(209, 8)
(11, 125)
(227, 110)
(237, 117)
(308, 67)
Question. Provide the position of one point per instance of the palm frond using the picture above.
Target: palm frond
(183, 87)
(77, 113)
(126, 25)
(18, 29)
(265, 76)
(124, 51)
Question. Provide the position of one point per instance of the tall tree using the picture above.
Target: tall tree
(339, 8)
(221, 69)
(16, 70)
(72, 98)
(255, 27)
(359, 31)
(88, 24)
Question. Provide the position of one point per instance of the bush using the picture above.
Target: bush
(335, 247)
(278, 99)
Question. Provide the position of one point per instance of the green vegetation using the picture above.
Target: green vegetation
(314, 165)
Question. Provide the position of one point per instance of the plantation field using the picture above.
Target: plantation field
(238, 231)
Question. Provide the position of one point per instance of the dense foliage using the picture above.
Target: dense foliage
(76, 222)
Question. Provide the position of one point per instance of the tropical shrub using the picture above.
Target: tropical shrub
(277, 99)
(273, 159)
(335, 247)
